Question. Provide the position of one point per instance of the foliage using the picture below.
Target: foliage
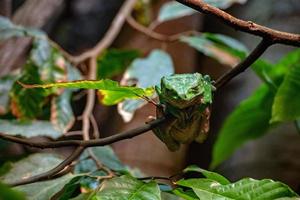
(255, 115)
(8, 193)
(173, 10)
(112, 92)
(156, 65)
(36, 101)
(113, 62)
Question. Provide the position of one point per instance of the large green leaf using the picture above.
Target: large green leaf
(173, 10)
(33, 165)
(29, 129)
(245, 189)
(286, 105)
(145, 72)
(7, 193)
(249, 120)
(127, 187)
(208, 174)
(224, 49)
(8, 30)
(111, 90)
(114, 61)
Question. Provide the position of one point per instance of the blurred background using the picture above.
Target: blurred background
(78, 25)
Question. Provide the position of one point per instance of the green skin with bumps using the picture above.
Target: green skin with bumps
(185, 98)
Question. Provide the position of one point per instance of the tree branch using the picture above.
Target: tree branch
(246, 26)
(155, 35)
(49, 174)
(90, 143)
(247, 62)
(110, 35)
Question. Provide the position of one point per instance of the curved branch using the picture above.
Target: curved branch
(110, 35)
(155, 35)
(89, 143)
(241, 67)
(49, 174)
(246, 26)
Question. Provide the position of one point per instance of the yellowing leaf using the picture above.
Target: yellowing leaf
(111, 91)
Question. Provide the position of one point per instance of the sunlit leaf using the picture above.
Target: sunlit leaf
(114, 61)
(144, 72)
(173, 10)
(127, 187)
(112, 92)
(245, 189)
(7, 193)
(29, 129)
(208, 174)
(249, 120)
(9, 30)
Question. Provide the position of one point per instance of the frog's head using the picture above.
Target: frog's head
(184, 90)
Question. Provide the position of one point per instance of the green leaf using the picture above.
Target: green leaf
(286, 105)
(29, 129)
(224, 49)
(114, 61)
(111, 90)
(46, 189)
(173, 10)
(168, 196)
(208, 174)
(187, 194)
(7, 193)
(245, 189)
(71, 189)
(144, 72)
(127, 187)
(6, 83)
(104, 154)
(33, 165)
(27, 104)
(9, 30)
(249, 120)
(62, 116)
(30, 166)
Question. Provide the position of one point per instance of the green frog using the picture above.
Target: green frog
(185, 99)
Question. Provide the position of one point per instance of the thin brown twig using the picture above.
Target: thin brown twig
(91, 143)
(272, 35)
(96, 131)
(99, 163)
(110, 35)
(155, 35)
(242, 66)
